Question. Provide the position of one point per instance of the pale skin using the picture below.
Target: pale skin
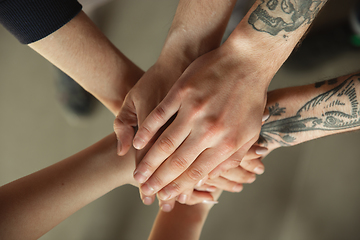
(34, 204)
(335, 102)
(189, 37)
(183, 222)
(30, 206)
(211, 131)
(303, 113)
(29, 200)
(104, 71)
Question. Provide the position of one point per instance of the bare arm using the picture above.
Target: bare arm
(82, 51)
(183, 222)
(197, 28)
(33, 205)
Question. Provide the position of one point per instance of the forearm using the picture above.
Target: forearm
(183, 222)
(197, 28)
(300, 114)
(32, 205)
(82, 51)
(269, 32)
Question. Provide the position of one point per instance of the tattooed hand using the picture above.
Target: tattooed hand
(304, 113)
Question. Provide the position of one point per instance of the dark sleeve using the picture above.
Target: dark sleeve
(32, 20)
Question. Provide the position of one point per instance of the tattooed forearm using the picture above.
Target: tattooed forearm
(329, 82)
(276, 110)
(333, 110)
(273, 16)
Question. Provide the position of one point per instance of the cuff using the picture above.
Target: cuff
(32, 20)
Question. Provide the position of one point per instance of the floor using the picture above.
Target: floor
(310, 191)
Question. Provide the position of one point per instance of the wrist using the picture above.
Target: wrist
(194, 214)
(183, 46)
(260, 57)
(293, 120)
(117, 169)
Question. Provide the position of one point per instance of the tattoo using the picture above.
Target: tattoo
(329, 82)
(273, 16)
(333, 110)
(275, 110)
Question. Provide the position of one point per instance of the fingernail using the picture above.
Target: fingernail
(200, 183)
(265, 117)
(211, 189)
(147, 189)
(147, 200)
(259, 170)
(119, 147)
(251, 179)
(237, 188)
(139, 177)
(261, 150)
(166, 208)
(138, 143)
(182, 198)
(210, 202)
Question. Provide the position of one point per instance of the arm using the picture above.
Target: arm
(82, 51)
(219, 100)
(184, 222)
(190, 36)
(300, 114)
(33, 205)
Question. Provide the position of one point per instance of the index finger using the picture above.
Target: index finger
(156, 119)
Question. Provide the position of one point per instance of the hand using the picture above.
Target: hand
(232, 180)
(219, 103)
(265, 143)
(140, 101)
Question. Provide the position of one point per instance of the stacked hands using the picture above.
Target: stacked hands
(192, 135)
(203, 116)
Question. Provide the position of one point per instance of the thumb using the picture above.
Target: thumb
(124, 125)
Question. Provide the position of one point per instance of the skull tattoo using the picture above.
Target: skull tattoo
(273, 16)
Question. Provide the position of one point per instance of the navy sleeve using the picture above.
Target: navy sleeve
(32, 20)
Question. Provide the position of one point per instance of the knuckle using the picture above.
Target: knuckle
(159, 113)
(117, 124)
(228, 146)
(194, 111)
(195, 174)
(182, 92)
(166, 145)
(145, 129)
(157, 182)
(186, 89)
(176, 187)
(233, 163)
(245, 164)
(178, 163)
(213, 127)
(148, 166)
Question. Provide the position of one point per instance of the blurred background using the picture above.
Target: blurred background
(310, 191)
